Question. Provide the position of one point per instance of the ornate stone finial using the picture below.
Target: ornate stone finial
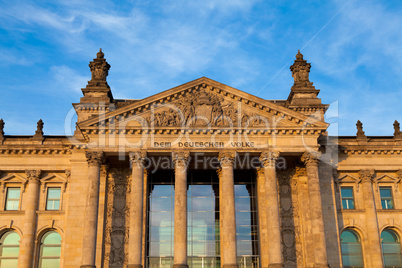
(137, 157)
(397, 130)
(367, 175)
(300, 72)
(227, 158)
(33, 175)
(268, 158)
(180, 158)
(2, 128)
(311, 158)
(94, 157)
(39, 130)
(99, 67)
(360, 133)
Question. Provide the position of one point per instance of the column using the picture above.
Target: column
(94, 160)
(268, 160)
(373, 235)
(227, 210)
(180, 160)
(311, 160)
(136, 209)
(31, 199)
(262, 216)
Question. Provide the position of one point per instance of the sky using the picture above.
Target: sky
(354, 47)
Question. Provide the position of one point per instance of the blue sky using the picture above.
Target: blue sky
(355, 48)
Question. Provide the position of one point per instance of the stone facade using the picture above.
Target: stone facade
(103, 175)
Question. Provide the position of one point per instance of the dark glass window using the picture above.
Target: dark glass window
(13, 198)
(160, 219)
(246, 219)
(391, 249)
(347, 198)
(9, 249)
(203, 219)
(386, 198)
(351, 248)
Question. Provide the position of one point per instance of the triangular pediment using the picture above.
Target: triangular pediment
(203, 103)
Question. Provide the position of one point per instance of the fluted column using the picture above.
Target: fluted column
(262, 216)
(180, 160)
(373, 235)
(227, 210)
(311, 160)
(268, 160)
(136, 209)
(31, 198)
(94, 160)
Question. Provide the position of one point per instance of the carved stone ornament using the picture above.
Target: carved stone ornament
(311, 158)
(227, 158)
(39, 130)
(33, 175)
(367, 175)
(1, 128)
(300, 72)
(68, 173)
(180, 158)
(268, 158)
(99, 67)
(137, 157)
(397, 131)
(360, 133)
(94, 157)
(203, 108)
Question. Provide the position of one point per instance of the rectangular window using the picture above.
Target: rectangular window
(53, 199)
(386, 198)
(347, 198)
(13, 198)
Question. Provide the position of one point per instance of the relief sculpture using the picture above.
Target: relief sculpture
(116, 232)
(202, 109)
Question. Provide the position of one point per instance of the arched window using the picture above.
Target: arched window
(9, 248)
(352, 256)
(391, 249)
(50, 249)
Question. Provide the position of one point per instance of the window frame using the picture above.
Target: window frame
(40, 240)
(386, 198)
(43, 199)
(2, 236)
(398, 242)
(359, 238)
(10, 186)
(347, 199)
(47, 198)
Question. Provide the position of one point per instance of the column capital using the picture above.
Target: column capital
(137, 157)
(180, 158)
(227, 158)
(366, 175)
(94, 157)
(268, 158)
(311, 158)
(260, 171)
(33, 175)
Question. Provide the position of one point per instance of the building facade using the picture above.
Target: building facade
(200, 175)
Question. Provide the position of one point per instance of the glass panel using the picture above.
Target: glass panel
(347, 192)
(161, 249)
(162, 191)
(9, 263)
(161, 204)
(161, 233)
(351, 249)
(388, 236)
(202, 204)
(10, 252)
(160, 262)
(242, 204)
(50, 263)
(200, 190)
(241, 191)
(51, 251)
(11, 238)
(385, 192)
(161, 219)
(52, 238)
(13, 193)
(53, 193)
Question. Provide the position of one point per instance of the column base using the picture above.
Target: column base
(134, 266)
(230, 266)
(321, 265)
(87, 266)
(275, 265)
(180, 266)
